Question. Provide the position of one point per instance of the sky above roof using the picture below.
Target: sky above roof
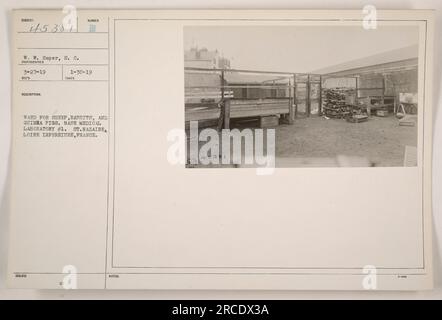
(298, 48)
(404, 53)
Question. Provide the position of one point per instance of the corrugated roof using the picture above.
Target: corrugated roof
(400, 54)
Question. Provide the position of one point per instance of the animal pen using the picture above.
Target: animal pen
(215, 96)
(302, 109)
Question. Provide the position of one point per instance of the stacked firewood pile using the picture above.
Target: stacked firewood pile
(334, 103)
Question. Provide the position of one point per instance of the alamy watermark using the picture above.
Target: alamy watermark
(70, 279)
(370, 17)
(70, 18)
(369, 281)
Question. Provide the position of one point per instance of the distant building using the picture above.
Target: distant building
(203, 58)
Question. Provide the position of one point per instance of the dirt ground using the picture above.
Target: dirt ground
(381, 140)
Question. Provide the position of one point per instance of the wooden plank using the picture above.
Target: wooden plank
(234, 86)
(237, 70)
(196, 113)
(282, 106)
(245, 102)
(255, 113)
(206, 114)
(410, 156)
(291, 113)
(383, 89)
(408, 120)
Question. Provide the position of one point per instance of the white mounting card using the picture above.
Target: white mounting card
(193, 149)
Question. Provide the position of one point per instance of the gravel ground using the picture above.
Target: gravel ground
(381, 140)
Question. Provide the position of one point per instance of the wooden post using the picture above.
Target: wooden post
(227, 114)
(221, 116)
(291, 113)
(222, 112)
(307, 97)
(357, 90)
(222, 85)
(383, 89)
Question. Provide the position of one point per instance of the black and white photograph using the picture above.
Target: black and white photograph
(311, 96)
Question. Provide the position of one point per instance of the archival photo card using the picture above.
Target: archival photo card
(221, 150)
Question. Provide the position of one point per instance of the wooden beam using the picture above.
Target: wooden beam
(291, 113)
(227, 114)
(288, 74)
(357, 89)
(383, 89)
(258, 86)
(222, 84)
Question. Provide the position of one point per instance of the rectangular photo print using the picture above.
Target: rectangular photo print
(301, 96)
